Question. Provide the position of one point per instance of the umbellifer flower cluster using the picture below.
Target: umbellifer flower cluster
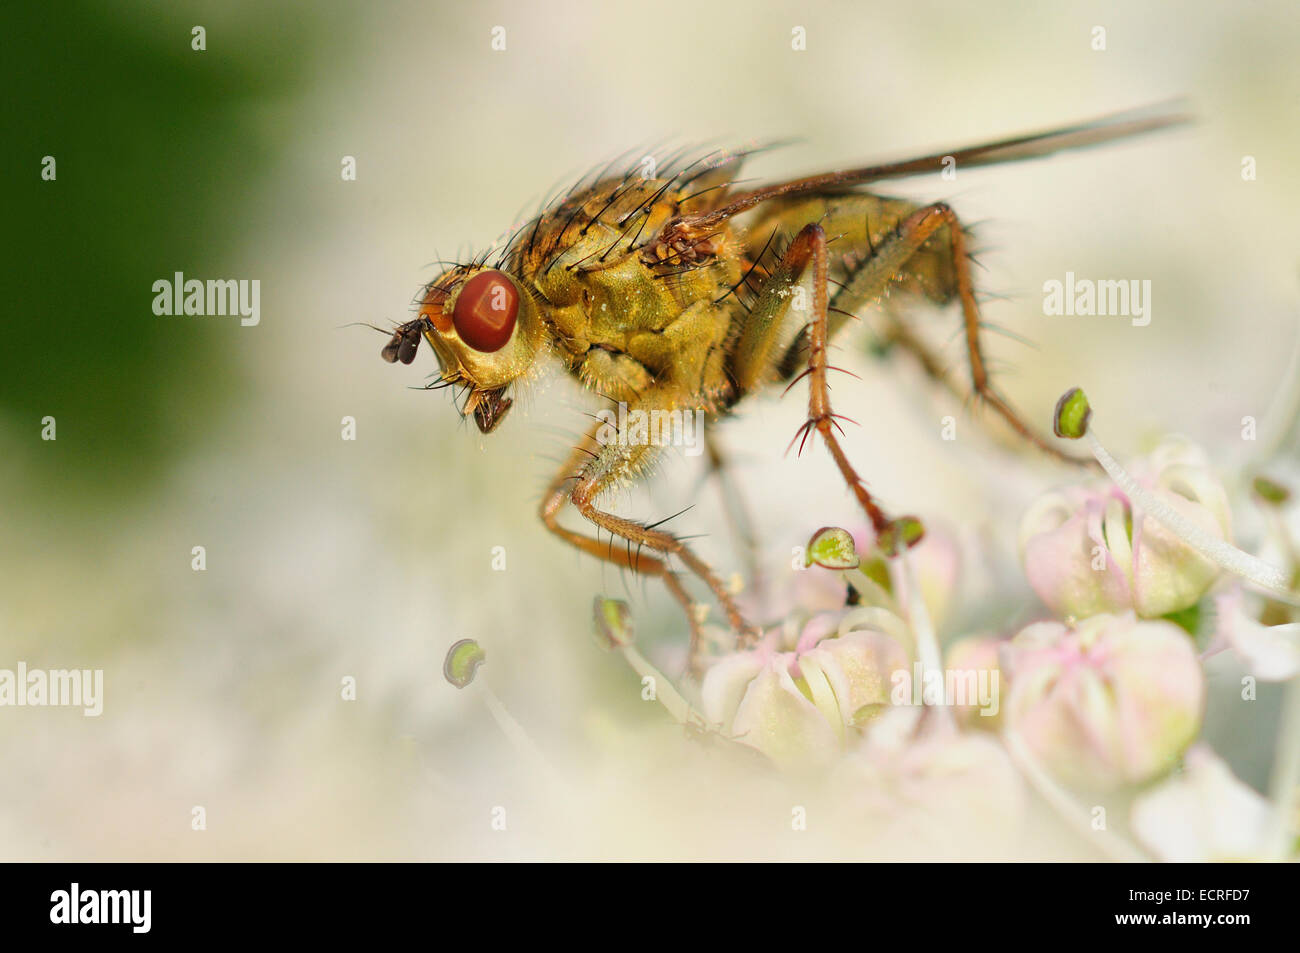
(1103, 696)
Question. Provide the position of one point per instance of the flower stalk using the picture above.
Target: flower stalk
(1073, 420)
(1061, 801)
(1284, 783)
(460, 668)
(614, 629)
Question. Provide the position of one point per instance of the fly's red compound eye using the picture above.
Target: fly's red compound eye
(486, 309)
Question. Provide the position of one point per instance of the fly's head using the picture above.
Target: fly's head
(485, 329)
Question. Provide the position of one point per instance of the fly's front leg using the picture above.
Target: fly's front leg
(598, 465)
(557, 495)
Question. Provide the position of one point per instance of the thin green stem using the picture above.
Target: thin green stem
(1061, 801)
(665, 692)
(1222, 553)
(1285, 778)
(918, 617)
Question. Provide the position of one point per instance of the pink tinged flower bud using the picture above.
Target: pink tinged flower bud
(799, 707)
(793, 725)
(859, 667)
(1069, 542)
(1167, 574)
(1088, 549)
(1110, 702)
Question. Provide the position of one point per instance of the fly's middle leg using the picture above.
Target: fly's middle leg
(798, 286)
(897, 257)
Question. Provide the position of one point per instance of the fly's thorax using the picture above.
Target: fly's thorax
(484, 325)
(605, 302)
(603, 221)
(593, 302)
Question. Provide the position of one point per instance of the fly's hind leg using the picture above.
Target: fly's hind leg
(912, 233)
(926, 221)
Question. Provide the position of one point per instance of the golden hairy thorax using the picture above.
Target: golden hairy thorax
(627, 314)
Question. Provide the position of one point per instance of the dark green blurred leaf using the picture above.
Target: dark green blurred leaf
(159, 149)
